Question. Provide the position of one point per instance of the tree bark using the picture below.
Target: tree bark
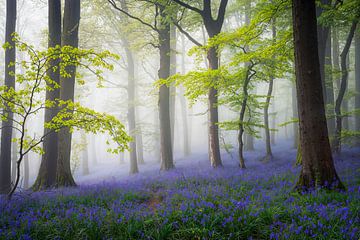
(26, 172)
(172, 86)
(357, 81)
(67, 86)
(295, 115)
(343, 86)
(317, 167)
(47, 173)
(185, 120)
(7, 125)
(167, 161)
(329, 87)
(14, 157)
(213, 27)
(85, 155)
(322, 36)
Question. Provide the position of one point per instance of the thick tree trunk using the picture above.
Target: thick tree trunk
(47, 173)
(167, 162)
(69, 38)
(7, 125)
(357, 81)
(139, 144)
(343, 86)
(317, 162)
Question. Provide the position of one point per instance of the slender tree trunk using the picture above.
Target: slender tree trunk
(47, 173)
(131, 98)
(343, 86)
(70, 38)
(267, 104)
(14, 157)
(242, 117)
(214, 146)
(249, 139)
(26, 171)
(187, 147)
(172, 87)
(317, 167)
(273, 123)
(92, 141)
(335, 57)
(322, 36)
(85, 155)
(357, 81)
(167, 162)
(266, 120)
(329, 88)
(7, 125)
(295, 115)
(157, 144)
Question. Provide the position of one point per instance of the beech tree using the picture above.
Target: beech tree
(161, 27)
(317, 169)
(70, 37)
(213, 27)
(7, 123)
(47, 172)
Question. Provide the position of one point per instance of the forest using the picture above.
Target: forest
(179, 119)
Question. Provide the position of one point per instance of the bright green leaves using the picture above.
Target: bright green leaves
(34, 80)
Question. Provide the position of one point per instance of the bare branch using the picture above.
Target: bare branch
(185, 5)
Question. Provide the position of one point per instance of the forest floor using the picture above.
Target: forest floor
(192, 201)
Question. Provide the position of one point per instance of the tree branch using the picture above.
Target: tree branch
(185, 5)
(187, 34)
(113, 3)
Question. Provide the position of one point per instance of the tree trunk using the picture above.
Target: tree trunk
(70, 38)
(131, 97)
(214, 146)
(266, 118)
(47, 173)
(241, 119)
(322, 36)
(273, 123)
(92, 141)
(172, 86)
(85, 155)
(357, 81)
(187, 147)
(335, 57)
(329, 88)
(14, 157)
(343, 86)
(317, 167)
(167, 162)
(295, 115)
(26, 171)
(7, 125)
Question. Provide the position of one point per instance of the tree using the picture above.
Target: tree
(70, 37)
(343, 86)
(7, 123)
(24, 103)
(357, 80)
(317, 168)
(162, 28)
(47, 173)
(213, 27)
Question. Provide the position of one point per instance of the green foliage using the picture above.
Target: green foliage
(27, 100)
